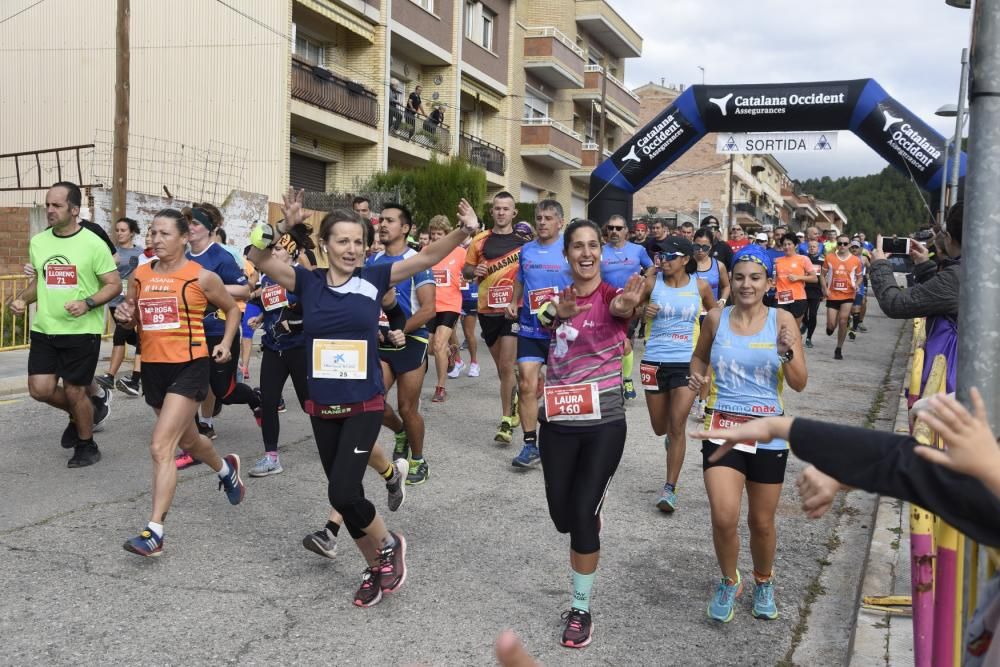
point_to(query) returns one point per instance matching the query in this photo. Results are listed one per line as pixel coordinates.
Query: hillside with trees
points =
(887, 202)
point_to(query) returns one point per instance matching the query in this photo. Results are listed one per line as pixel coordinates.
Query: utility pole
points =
(959, 125)
(119, 165)
(604, 110)
(729, 204)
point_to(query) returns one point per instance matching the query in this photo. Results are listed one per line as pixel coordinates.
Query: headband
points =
(202, 218)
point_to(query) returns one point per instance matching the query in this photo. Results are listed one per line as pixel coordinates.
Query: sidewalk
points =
(14, 369)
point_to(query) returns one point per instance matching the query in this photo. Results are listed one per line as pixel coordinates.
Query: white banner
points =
(774, 142)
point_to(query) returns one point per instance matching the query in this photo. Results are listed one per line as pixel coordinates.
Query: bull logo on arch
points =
(861, 105)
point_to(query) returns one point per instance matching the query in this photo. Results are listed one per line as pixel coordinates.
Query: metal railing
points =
(14, 330)
(600, 70)
(326, 90)
(482, 153)
(419, 129)
(552, 123)
(549, 31)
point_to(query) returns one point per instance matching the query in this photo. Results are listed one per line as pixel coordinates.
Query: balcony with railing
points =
(482, 153)
(324, 89)
(604, 24)
(620, 99)
(553, 57)
(550, 144)
(419, 129)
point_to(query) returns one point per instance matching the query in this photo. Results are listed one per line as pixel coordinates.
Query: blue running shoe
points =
(763, 600)
(724, 600)
(233, 483)
(529, 457)
(145, 543)
(667, 502)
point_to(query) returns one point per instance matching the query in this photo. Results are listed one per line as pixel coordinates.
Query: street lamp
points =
(960, 4)
(958, 112)
(702, 74)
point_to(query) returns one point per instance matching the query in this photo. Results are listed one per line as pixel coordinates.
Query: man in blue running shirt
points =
(542, 273)
(620, 260)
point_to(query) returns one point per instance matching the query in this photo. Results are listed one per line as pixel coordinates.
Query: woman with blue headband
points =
(753, 351)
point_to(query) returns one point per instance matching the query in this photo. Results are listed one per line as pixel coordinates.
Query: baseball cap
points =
(855, 243)
(674, 245)
(801, 235)
(761, 236)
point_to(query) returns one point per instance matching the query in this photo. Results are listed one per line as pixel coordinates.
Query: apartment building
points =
(313, 93)
(701, 182)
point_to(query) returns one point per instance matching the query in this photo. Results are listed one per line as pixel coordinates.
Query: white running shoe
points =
(457, 369)
(473, 370)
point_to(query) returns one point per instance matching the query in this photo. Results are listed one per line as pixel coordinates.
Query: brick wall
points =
(15, 231)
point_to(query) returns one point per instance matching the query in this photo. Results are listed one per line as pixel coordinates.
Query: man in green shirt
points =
(75, 275)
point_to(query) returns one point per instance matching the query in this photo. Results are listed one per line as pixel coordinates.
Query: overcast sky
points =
(911, 47)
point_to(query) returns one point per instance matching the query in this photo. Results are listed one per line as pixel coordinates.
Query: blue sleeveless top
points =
(747, 376)
(711, 276)
(673, 332)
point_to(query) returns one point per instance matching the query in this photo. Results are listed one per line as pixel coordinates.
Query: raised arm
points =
(437, 251)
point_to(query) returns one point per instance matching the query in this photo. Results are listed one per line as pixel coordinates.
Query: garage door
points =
(307, 173)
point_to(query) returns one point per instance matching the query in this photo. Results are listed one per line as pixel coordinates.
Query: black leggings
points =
(343, 446)
(812, 309)
(578, 464)
(222, 377)
(275, 367)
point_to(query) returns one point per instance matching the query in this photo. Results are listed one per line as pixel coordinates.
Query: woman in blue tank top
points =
(753, 351)
(708, 266)
(676, 298)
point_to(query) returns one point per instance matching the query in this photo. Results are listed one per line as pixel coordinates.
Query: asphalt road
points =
(235, 585)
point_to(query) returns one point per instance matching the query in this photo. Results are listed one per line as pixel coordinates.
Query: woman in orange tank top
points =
(166, 300)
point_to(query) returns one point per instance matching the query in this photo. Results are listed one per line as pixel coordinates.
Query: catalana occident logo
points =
(663, 138)
(769, 102)
(914, 144)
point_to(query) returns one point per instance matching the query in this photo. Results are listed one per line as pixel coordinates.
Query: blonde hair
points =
(440, 223)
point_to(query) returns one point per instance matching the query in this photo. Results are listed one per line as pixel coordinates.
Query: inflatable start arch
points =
(861, 105)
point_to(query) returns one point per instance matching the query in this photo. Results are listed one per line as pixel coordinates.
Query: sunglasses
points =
(840, 243)
(612, 228)
(764, 242)
(667, 256)
(703, 248)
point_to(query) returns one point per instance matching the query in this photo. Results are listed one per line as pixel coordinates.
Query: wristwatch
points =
(91, 304)
(787, 356)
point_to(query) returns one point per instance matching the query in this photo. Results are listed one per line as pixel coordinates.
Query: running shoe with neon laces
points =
(395, 485)
(723, 602)
(473, 370)
(401, 450)
(763, 600)
(145, 543)
(266, 465)
(529, 457)
(667, 502)
(457, 370)
(392, 565)
(515, 413)
(370, 592)
(233, 483)
(505, 432)
(629, 389)
(579, 628)
(322, 542)
(107, 380)
(418, 472)
(185, 460)
(439, 395)
(128, 387)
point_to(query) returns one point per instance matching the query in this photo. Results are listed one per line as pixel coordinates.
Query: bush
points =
(433, 189)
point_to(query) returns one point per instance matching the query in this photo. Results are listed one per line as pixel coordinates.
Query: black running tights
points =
(578, 464)
(222, 377)
(812, 310)
(275, 368)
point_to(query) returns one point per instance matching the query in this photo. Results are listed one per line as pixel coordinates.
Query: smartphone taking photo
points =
(891, 246)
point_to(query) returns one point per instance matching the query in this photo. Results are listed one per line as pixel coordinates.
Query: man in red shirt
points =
(737, 238)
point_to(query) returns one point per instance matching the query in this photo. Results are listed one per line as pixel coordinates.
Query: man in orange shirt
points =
(840, 280)
(447, 302)
(792, 272)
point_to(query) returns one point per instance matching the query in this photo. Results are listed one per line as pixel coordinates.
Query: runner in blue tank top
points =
(620, 260)
(676, 298)
(753, 352)
(715, 273)
(542, 273)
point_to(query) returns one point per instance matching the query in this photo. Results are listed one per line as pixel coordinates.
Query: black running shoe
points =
(69, 436)
(837, 354)
(85, 454)
(129, 387)
(579, 628)
(107, 380)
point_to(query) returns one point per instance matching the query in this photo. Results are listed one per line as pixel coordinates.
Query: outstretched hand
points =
(291, 207)
(632, 294)
(756, 430)
(467, 216)
(970, 446)
(567, 307)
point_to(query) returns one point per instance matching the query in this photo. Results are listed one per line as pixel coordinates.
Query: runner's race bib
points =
(647, 376)
(538, 297)
(159, 313)
(383, 319)
(840, 285)
(61, 276)
(572, 402)
(340, 359)
(442, 277)
(500, 296)
(785, 296)
(274, 297)
(726, 421)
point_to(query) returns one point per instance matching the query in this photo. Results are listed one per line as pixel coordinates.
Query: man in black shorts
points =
(75, 274)
(492, 260)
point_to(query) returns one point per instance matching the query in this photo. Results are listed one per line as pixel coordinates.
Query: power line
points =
(21, 12)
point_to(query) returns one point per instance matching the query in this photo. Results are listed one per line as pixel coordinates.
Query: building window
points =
(536, 105)
(426, 4)
(594, 57)
(308, 49)
(480, 23)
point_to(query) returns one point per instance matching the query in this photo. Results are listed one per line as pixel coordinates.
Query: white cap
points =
(761, 236)
(834, 230)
